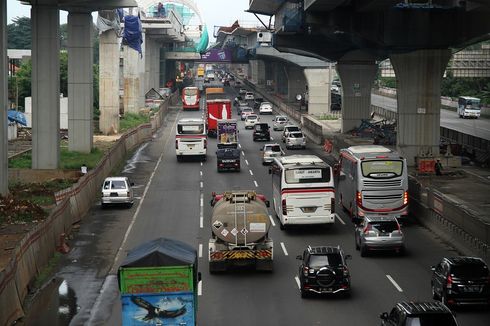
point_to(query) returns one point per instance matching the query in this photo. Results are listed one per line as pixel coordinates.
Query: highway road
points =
(173, 201)
(449, 119)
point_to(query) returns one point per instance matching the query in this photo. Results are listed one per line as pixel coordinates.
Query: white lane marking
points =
(394, 283)
(201, 163)
(201, 218)
(200, 250)
(133, 219)
(256, 184)
(246, 162)
(338, 218)
(251, 173)
(201, 184)
(199, 288)
(272, 220)
(239, 146)
(297, 282)
(243, 153)
(200, 173)
(272, 138)
(284, 249)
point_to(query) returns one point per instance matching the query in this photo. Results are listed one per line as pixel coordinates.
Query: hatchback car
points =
(242, 91)
(461, 281)
(117, 190)
(265, 108)
(295, 139)
(244, 111)
(261, 131)
(323, 270)
(251, 120)
(279, 122)
(418, 313)
(379, 233)
(287, 129)
(249, 96)
(269, 151)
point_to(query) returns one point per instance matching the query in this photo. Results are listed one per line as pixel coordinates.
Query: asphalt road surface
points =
(173, 201)
(449, 119)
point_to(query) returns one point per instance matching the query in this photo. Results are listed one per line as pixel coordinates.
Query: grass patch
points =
(68, 160)
(131, 120)
(47, 271)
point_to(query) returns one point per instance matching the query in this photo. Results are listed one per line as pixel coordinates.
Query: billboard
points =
(216, 55)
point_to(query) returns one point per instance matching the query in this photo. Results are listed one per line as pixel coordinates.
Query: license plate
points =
(308, 209)
(190, 146)
(114, 194)
(471, 288)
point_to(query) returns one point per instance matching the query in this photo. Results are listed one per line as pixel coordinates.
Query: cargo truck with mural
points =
(227, 133)
(218, 106)
(240, 232)
(158, 284)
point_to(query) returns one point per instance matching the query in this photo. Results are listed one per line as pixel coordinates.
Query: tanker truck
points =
(240, 232)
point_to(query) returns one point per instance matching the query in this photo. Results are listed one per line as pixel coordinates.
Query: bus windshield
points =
(382, 168)
(190, 91)
(307, 175)
(188, 129)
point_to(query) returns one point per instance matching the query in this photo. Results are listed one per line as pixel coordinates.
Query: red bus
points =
(190, 98)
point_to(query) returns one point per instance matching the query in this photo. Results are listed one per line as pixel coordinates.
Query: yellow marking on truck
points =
(241, 254)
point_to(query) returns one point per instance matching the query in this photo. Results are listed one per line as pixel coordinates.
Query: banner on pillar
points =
(133, 36)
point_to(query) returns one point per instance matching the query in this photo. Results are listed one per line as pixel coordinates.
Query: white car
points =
(269, 151)
(117, 190)
(265, 108)
(249, 96)
(287, 129)
(295, 139)
(245, 111)
(251, 120)
(279, 122)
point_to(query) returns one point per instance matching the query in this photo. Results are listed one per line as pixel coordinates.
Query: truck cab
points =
(228, 159)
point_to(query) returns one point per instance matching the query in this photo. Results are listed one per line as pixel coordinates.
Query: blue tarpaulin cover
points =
(133, 32)
(16, 116)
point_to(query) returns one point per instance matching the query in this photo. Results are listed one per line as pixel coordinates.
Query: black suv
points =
(419, 313)
(262, 131)
(323, 270)
(461, 280)
(257, 102)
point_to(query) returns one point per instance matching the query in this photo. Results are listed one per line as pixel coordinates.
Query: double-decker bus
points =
(190, 98)
(372, 180)
(303, 190)
(191, 139)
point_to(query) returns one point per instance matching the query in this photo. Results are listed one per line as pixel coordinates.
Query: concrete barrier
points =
(38, 246)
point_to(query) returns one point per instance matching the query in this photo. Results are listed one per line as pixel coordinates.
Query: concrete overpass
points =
(416, 37)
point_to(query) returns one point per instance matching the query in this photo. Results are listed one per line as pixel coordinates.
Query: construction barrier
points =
(38, 246)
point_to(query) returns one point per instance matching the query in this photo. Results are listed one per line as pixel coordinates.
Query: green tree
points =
(19, 33)
(23, 79)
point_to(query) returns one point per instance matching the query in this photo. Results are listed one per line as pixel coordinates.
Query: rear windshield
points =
(250, 93)
(384, 226)
(275, 148)
(431, 320)
(196, 129)
(190, 91)
(251, 117)
(247, 110)
(382, 168)
(261, 127)
(115, 184)
(228, 153)
(296, 135)
(293, 129)
(307, 175)
(469, 271)
(325, 260)
(282, 119)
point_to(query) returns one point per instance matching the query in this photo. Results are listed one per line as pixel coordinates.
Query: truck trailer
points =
(240, 232)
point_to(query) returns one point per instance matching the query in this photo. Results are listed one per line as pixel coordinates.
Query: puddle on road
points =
(55, 304)
(138, 157)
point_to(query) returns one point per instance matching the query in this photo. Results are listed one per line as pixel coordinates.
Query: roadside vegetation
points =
(131, 120)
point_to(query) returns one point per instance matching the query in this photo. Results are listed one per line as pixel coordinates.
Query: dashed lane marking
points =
(200, 173)
(297, 282)
(338, 218)
(246, 162)
(201, 184)
(251, 173)
(284, 249)
(256, 184)
(199, 288)
(200, 250)
(201, 218)
(243, 153)
(394, 283)
(272, 220)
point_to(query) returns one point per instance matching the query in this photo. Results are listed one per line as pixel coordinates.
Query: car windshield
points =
(290, 129)
(296, 135)
(317, 261)
(384, 226)
(470, 271)
(431, 320)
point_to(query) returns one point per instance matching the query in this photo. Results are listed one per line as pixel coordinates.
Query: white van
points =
(191, 138)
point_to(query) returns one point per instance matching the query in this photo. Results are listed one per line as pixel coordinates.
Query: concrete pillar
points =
(109, 82)
(132, 84)
(142, 78)
(80, 82)
(152, 65)
(419, 76)
(296, 82)
(3, 100)
(45, 83)
(318, 81)
(257, 71)
(357, 77)
(163, 68)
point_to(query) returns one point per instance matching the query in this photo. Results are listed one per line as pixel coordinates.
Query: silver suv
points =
(287, 130)
(379, 233)
(269, 151)
(117, 190)
(279, 122)
(295, 139)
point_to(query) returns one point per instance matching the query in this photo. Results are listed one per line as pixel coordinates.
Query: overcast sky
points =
(214, 12)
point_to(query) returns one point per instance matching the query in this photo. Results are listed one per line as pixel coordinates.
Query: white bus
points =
(372, 180)
(469, 107)
(191, 138)
(302, 190)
